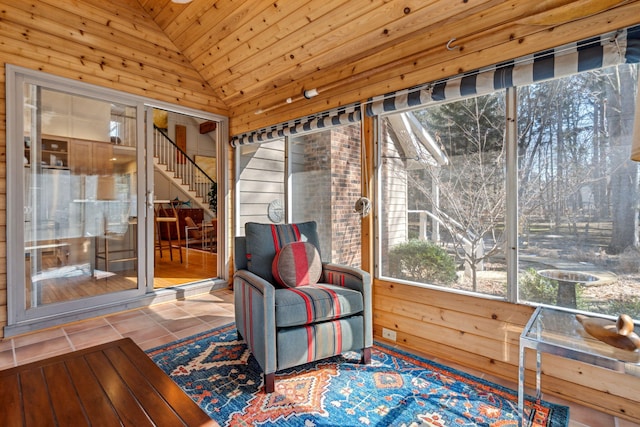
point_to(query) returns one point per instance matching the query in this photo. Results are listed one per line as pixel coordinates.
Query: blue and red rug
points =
(397, 389)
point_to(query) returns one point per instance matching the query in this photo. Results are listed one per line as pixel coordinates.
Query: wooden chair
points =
(168, 217)
(202, 234)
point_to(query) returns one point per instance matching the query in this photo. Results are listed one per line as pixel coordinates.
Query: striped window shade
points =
(327, 119)
(609, 49)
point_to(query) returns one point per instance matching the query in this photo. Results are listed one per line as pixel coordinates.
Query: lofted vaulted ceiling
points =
(259, 56)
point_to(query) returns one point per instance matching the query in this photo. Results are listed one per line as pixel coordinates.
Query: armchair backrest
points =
(263, 241)
(240, 253)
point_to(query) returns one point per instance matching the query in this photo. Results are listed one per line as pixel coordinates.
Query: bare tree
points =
(622, 83)
(471, 205)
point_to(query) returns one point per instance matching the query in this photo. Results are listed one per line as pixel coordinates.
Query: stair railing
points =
(181, 165)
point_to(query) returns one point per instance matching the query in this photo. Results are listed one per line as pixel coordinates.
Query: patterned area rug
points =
(397, 389)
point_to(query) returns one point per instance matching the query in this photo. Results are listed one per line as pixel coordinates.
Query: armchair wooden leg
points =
(269, 382)
(366, 356)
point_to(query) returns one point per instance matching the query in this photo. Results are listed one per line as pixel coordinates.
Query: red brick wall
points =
(332, 168)
(346, 189)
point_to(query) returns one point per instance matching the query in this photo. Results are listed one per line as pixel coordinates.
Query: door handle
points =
(149, 199)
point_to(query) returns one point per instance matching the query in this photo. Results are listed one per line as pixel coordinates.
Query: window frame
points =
(288, 177)
(511, 180)
(512, 188)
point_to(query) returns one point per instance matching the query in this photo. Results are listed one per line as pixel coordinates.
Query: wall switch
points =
(388, 334)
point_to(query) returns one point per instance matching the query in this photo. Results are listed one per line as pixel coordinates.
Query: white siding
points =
(261, 180)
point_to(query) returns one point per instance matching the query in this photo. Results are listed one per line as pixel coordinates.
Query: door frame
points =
(21, 320)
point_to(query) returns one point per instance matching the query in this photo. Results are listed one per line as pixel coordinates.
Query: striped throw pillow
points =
(297, 264)
(263, 241)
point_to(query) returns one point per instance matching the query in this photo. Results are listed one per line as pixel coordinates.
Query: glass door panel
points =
(80, 215)
(325, 173)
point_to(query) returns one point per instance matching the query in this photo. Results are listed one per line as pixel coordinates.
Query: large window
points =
(443, 206)
(578, 195)
(311, 177)
(444, 201)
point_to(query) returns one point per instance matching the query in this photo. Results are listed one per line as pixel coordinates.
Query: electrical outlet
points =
(388, 334)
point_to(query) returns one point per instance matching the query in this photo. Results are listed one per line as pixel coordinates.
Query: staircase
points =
(182, 171)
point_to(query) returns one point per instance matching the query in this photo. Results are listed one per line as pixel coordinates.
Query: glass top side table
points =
(558, 332)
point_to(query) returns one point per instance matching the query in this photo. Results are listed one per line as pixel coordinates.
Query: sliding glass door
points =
(80, 209)
(75, 154)
(86, 177)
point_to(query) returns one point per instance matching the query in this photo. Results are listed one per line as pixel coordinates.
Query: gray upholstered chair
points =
(289, 325)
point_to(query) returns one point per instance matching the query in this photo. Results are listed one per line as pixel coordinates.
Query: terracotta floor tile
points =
(197, 329)
(197, 307)
(226, 295)
(162, 324)
(228, 306)
(146, 334)
(175, 326)
(585, 416)
(219, 321)
(206, 308)
(166, 306)
(43, 349)
(126, 315)
(134, 324)
(157, 342)
(94, 336)
(85, 325)
(168, 313)
(38, 337)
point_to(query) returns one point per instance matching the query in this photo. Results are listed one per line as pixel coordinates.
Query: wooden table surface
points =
(114, 384)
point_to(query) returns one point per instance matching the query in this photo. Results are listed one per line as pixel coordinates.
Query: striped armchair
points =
(289, 326)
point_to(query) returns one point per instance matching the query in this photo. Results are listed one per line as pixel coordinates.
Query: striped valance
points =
(339, 116)
(598, 52)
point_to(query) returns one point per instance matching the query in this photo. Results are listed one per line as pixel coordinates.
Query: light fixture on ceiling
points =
(181, 1)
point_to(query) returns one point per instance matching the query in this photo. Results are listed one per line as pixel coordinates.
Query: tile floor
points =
(163, 323)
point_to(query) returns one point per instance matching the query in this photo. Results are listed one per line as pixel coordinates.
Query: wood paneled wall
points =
(113, 44)
(425, 59)
(484, 334)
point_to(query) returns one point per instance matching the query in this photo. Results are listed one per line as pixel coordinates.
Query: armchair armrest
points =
(343, 275)
(356, 279)
(188, 228)
(254, 301)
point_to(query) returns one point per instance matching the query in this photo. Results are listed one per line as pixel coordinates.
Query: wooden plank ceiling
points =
(257, 54)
